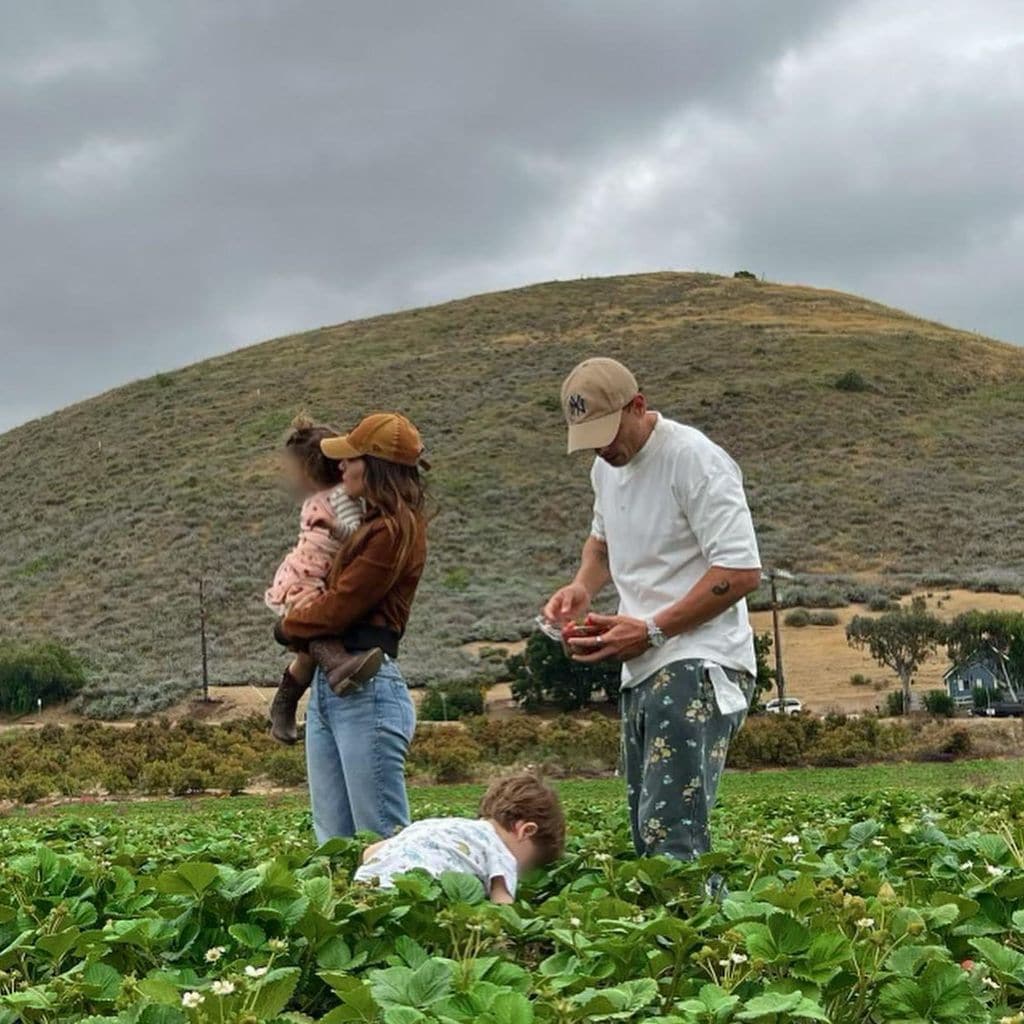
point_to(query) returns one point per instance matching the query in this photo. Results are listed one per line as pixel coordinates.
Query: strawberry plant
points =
(890, 906)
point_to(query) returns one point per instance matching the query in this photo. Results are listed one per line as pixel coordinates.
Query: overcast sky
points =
(179, 179)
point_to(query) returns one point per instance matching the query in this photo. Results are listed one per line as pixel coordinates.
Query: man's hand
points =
(571, 602)
(619, 636)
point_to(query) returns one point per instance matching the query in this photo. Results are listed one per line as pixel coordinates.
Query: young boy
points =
(521, 826)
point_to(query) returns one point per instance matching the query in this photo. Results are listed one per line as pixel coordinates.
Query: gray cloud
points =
(178, 180)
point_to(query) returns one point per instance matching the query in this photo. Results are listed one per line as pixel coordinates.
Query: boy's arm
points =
(499, 891)
(372, 850)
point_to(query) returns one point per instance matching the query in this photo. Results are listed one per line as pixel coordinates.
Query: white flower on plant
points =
(278, 945)
(190, 1000)
(738, 958)
(602, 856)
(214, 954)
(991, 982)
(866, 922)
(723, 963)
(223, 988)
(967, 865)
(575, 922)
(791, 840)
(254, 972)
(994, 871)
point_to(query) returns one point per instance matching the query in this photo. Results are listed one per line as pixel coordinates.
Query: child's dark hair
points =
(303, 444)
(523, 796)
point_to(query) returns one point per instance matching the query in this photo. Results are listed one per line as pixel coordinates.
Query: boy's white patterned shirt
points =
(471, 846)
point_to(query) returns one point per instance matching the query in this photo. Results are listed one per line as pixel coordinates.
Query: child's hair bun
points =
(303, 422)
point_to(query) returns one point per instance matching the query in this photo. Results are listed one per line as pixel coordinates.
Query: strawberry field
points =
(880, 905)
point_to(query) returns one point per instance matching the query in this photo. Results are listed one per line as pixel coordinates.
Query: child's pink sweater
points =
(327, 518)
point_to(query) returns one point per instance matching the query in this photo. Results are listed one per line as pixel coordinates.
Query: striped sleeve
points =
(347, 511)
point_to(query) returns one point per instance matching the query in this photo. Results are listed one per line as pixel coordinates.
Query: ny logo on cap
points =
(577, 406)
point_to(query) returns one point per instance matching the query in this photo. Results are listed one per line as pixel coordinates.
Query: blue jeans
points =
(355, 755)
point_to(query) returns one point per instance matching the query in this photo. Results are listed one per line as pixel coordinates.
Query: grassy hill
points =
(113, 508)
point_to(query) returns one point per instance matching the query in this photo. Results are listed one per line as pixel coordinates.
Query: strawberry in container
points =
(573, 630)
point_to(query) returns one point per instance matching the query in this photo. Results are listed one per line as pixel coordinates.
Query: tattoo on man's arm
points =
(721, 588)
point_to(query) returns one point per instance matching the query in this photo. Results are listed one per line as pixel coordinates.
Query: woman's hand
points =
(618, 636)
(571, 602)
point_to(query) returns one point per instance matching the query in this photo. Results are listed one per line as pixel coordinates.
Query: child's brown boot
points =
(284, 707)
(345, 670)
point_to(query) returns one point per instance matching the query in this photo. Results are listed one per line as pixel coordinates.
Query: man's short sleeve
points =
(597, 522)
(709, 486)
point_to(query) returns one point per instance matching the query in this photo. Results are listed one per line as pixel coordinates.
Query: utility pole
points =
(202, 639)
(772, 576)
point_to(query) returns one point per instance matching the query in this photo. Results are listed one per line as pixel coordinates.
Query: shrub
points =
(958, 744)
(894, 703)
(939, 702)
(852, 380)
(506, 739)
(544, 675)
(881, 603)
(32, 672)
(859, 679)
(285, 767)
(819, 618)
(449, 754)
(452, 701)
(983, 697)
(763, 643)
(745, 275)
(798, 618)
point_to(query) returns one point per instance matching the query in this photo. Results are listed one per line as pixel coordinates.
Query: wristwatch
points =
(655, 637)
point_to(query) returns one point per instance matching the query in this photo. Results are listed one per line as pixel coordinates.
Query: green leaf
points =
(509, 1008)
(158, 1014)
(403, 1015)
(101, 982)
(402, 986)
(410, 952)
(712, 1002)
(275, 990)
(192, 878)
(941, 995)
(781, 938)
(248, 935)
(334, 955)
(1007, 962)
(770, 1003)
(357, 1002)
(57, 944)
(461, 888)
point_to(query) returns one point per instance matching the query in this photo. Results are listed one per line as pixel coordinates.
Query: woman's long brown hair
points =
(398, 495)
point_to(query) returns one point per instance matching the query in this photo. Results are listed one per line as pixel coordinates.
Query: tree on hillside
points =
(977, 630)
(901, 640)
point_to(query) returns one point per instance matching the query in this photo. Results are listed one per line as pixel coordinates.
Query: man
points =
(673, 532)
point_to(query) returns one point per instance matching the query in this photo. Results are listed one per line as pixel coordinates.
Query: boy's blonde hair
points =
(523, 796)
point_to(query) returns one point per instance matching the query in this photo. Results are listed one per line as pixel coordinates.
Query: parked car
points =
(1005, 709)
(792, 706)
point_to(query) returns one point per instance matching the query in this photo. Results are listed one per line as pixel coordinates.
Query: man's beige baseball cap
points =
(593, 397)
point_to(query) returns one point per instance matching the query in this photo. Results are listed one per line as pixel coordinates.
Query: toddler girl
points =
(329, 517)
(521, 826)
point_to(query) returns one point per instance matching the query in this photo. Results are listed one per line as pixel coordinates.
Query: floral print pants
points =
(674, 741)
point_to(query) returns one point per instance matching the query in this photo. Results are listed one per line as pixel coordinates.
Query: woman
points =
(357, 736)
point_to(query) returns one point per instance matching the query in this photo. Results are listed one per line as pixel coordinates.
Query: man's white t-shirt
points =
(673, 511)
(468, 845)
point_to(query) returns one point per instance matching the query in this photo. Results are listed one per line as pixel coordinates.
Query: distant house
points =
(985, 668)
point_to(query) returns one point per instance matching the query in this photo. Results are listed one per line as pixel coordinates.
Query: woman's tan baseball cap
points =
(593, 397)
(384, 435)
